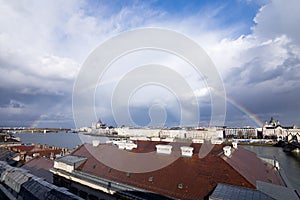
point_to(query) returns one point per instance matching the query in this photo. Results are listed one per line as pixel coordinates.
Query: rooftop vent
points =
(200, 141)
(186, 151)
(95, 143)
(156, 139)
(168, 140)
(234, 145)
(150, 179)
(180, 186)
(127, 145)
(164, 149)
(122, 145)
(227, 151)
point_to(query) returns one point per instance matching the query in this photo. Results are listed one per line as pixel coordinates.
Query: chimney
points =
(234, 145)
(164, 149)
(186, 151)
(95, 143)
(227, 151)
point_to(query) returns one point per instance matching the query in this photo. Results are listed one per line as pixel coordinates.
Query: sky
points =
(254, 45)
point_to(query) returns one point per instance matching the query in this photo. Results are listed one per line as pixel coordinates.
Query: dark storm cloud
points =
(41, 52)
(271, 92)
(14, 106)
(253, 73)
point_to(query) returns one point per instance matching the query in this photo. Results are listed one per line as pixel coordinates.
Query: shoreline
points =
(259, 144)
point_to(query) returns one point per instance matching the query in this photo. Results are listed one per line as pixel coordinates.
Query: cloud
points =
(278, 18)
(43, 45)
(16, 104)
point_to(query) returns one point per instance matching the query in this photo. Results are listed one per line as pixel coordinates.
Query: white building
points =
(207, 134)
(274, 130)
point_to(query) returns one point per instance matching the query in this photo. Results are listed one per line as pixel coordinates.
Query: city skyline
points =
(253, 44)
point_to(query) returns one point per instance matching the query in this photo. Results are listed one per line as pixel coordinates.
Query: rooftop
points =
(17, 183)
(253, 168)
(184, 178)
(40, 167)
(229, 192)
(70, 159)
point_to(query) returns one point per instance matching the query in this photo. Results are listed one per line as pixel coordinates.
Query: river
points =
(60, 139)
(290, 162)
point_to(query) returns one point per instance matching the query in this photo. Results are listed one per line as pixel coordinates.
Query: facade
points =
(241, 132)
(293, 134)
(189, 176)
(275, 130)
(206, 134)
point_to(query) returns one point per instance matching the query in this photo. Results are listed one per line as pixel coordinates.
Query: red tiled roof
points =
(31, 149)
(198, 176)
(44, 152)
(21, 148)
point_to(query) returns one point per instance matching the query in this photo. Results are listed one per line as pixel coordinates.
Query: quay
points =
(34, 130)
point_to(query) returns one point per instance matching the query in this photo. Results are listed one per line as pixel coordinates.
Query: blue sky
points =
(253, 44)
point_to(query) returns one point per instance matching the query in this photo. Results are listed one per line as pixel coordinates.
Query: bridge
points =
(34, 130)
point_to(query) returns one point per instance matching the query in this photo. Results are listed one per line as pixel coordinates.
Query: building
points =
(274, 130)
(241, 132)
(27, 152)
(17, 183)
(8, 156)
(179, 133)
(40, 167)
(293, 134)
(186, 177)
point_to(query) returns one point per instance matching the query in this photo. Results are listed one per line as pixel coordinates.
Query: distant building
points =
(100, 125)
(240, 132)
(293, 134)
(188, 177)
(27, 152)
(274, 130)
(205, 133)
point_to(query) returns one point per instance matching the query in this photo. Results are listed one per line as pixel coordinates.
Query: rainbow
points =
(244, 110)
(35, 123)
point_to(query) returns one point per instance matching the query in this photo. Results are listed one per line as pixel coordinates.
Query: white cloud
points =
(43, 44)
(278, 18)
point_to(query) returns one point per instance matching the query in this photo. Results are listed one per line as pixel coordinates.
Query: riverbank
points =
(258, 144)
(34, 130)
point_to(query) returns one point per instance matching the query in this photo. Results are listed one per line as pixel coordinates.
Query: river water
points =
(60, 139)
(290, 162)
